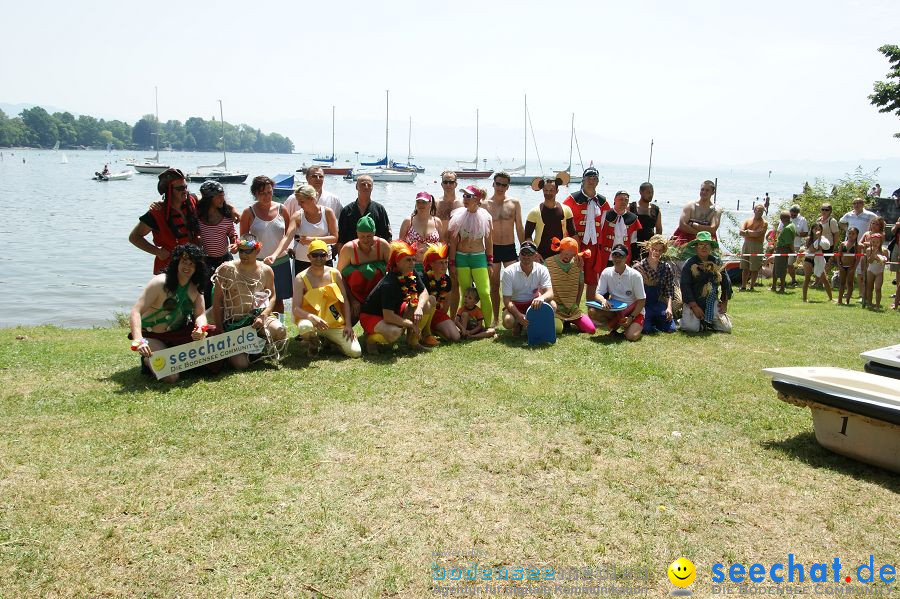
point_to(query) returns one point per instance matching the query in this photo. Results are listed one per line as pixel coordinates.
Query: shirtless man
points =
(170, 309)
(447, 204)
(753, 230)
(362, 263)
(245, 296)
(506, 214)
(701, 215)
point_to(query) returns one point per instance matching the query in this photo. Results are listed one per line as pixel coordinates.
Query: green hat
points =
(365, 225)
(704, 237)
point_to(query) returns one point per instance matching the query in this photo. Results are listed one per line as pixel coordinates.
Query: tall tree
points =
(42, 125)
(887, 93)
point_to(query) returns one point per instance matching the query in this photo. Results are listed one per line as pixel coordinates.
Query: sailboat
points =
(574, 178)
(409, 166)
(518, 175)
(152, 166)
(328, 167)
(218, 172)
(383, 172)
(472, 172)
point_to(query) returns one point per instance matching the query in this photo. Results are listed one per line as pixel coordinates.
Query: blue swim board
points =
(541, 325)
(614, 305)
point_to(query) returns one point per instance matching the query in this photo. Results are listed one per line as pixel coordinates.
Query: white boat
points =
(884, 361)
(463, 170)
(519, 175)
(218, 172)
(120, 176)
(382, 173)
(856, 414)
(152, 165)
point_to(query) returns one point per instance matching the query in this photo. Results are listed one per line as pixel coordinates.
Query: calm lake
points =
(68, 261)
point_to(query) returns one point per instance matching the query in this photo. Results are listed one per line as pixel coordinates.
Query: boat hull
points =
(855, 414)
(150, 169)
(884, 361)
(385, 176)
(229, 178)
(123, 176)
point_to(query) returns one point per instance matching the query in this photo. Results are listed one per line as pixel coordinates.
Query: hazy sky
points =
(711, 82)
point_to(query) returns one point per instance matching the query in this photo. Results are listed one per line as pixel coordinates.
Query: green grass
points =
(341, 477)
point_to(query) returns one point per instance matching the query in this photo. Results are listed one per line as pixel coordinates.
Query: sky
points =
(711, 83)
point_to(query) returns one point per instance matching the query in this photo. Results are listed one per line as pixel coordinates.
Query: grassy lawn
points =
(341, 477)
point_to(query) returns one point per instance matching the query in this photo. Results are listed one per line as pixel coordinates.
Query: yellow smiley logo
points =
(682, 572)
(158, 363)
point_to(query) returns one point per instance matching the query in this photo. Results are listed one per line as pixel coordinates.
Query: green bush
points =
(840, 195)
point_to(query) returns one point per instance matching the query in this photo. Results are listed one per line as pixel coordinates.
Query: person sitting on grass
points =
(706, 307)
(439, 284)
(319, 305)
(245, 296)
(470, 319)
(622, 284)
(659, 285)
(567, 279)
(813, 264)
(784, 244)
(170, 310)
(362, 262)
(398, 303)
(525, 284)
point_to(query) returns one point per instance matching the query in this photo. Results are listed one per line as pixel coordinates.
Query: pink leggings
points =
(584, 325)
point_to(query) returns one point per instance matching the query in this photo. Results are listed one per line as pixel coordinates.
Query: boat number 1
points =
(844, 425)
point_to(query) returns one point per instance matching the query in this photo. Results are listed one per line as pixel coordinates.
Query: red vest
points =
(166, 238)
(608, 233)
(579, 212)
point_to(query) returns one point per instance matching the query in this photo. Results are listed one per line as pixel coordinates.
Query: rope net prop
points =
(244, 297)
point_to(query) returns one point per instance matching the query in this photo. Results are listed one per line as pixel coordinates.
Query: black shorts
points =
(505, 253)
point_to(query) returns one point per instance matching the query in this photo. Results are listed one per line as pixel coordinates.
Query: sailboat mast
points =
(409, 147)
(476, 139)
(332, 134)
(156, 144)
(387, 113)
(224, 155)
(525, 132)
(571, 139)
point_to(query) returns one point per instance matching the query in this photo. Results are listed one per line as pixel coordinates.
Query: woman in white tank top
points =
(309, 223)
(266, 220)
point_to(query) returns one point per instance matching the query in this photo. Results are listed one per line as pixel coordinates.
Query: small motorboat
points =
(120, 176)
(284, 185)
(884, 361)
(219, 175)
(856, 414)
(384, 175)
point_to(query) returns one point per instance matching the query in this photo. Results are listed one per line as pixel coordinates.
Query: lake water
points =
(68, 261)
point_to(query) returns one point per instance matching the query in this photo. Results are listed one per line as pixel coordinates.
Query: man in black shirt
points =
(352, 212)
(398, 302)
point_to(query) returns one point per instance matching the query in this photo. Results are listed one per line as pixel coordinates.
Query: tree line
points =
(37, 128)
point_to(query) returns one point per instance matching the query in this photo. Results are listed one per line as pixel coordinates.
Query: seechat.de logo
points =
(793, 571)
(682, 573)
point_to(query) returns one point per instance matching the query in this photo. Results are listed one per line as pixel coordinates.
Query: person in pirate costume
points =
(245, 296)
(362, 262)
(705, 289)
(567, 276)
(619, 226)
(398, 303)
(170, 310)
(439, 285)
(319, 305)
(550, 218)
(587, 208)
(172, 220)
(659, 285)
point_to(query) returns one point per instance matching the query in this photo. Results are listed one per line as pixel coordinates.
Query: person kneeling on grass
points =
(567, 279)
(624, 285)
(701, 280)
(525, 284)
(439, 284)
(319, 305)
(659, 285)
(398, 302)
(245, 296)
(170, 310)
(470, 319)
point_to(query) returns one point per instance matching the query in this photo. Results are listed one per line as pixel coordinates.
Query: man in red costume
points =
(619, 227)
(587, 208)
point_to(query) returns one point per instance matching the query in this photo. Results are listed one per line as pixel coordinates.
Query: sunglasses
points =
(448, 182)
(826, 209)
(315, 176)
(246, 250)
(318, 255)
(467, 196)
(498, 184)
(179, 187)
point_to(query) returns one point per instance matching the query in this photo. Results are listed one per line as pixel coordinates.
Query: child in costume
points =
(470, 318)
(567, 276)
(814, 265)
(437, 281)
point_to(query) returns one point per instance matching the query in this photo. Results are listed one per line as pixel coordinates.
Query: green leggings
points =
(474, 267)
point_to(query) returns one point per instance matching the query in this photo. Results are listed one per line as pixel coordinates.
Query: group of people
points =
(852, 244)
(454, 273)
